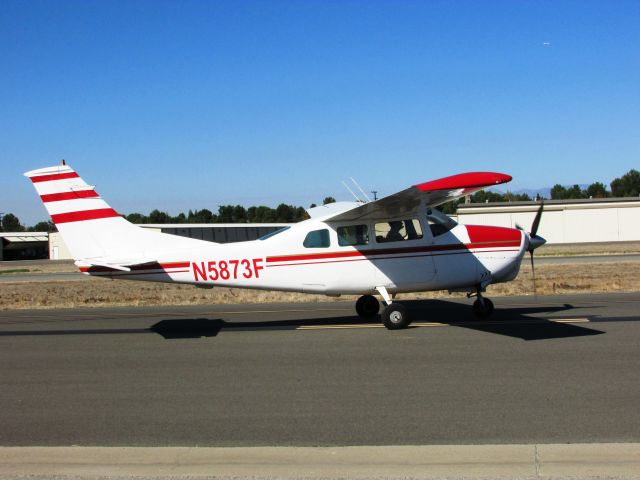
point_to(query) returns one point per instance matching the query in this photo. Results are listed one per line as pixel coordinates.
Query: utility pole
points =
(375, 195)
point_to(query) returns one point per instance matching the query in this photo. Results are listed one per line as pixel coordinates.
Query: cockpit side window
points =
(398, 230)
(353, 235)
(439, 222)
(317, 239)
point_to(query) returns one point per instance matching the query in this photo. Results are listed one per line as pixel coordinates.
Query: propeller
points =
(535, 240)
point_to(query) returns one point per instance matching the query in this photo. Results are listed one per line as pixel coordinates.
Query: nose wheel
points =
(482, 307)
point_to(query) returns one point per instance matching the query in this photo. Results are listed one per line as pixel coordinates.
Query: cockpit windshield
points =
(439, 222)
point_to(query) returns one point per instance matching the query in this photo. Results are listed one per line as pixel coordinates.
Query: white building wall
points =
(565, 223)
(628, 224)
(57, 248)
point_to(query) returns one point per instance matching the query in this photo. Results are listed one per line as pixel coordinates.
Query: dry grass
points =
(40, 267)
(609, 248)
(96, 292)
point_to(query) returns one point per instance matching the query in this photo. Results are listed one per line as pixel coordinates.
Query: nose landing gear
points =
(482, 307)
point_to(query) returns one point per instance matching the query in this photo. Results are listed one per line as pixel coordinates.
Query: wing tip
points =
(466, 180)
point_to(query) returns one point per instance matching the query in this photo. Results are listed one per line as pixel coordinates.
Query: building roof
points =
(15, 237)
(569, 204)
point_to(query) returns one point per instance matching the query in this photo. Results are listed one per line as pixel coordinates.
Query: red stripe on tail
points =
(84, 215)
(54, 176)
(56, 197)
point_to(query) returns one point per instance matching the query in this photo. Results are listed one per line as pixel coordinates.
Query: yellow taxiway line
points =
(439, 324)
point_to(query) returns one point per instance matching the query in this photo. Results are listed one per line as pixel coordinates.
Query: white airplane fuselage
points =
(459, 259)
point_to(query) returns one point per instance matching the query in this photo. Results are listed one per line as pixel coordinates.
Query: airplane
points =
(396, 244)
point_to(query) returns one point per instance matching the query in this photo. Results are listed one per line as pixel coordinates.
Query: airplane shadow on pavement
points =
(512, 322)
(516, 322)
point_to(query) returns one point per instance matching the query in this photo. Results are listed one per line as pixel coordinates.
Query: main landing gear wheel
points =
(395, 317)
(483, 307)
(367, 306)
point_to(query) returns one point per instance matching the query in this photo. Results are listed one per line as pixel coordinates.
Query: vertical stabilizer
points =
(89, 226)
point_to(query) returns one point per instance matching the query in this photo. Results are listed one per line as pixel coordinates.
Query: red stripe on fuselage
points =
(83, 215)
(394, 251)
(56, 197)
(175, 265)
(54, 176)
(397, 257)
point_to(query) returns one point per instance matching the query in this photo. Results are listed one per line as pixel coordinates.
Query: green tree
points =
(239, 214)
(300, 215)
(597, 190)
(11, 223)
(201, 216)
(626, 186)
(261, 214)
(558, 192)
(231, 214)
(156, 216)
(44, 226)
(576, 192)
(516, 197)
(137, 218)
(285, 213)
(484, 196)
(180, 218)
(328, 200)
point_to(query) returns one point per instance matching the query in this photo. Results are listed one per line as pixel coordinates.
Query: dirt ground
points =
(96, 292)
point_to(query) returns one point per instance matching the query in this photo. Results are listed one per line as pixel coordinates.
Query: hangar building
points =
(563, 221)
(23, 245)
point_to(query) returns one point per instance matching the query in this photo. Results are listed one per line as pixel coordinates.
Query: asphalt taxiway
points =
(551, 369)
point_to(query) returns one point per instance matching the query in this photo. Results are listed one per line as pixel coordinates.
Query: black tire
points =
(483, 311)
(367, 306)
(395, 317)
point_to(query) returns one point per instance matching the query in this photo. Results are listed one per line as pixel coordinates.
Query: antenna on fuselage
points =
(351, 192)
(361, 190)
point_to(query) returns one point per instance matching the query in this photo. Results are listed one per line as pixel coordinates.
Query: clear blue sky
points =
(193, 104)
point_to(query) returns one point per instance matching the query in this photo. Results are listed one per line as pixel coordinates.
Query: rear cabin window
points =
(317, 239)
(353, 235)
(398, 230)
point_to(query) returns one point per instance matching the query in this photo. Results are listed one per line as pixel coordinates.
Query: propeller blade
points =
(536, 220)
(533, 273)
